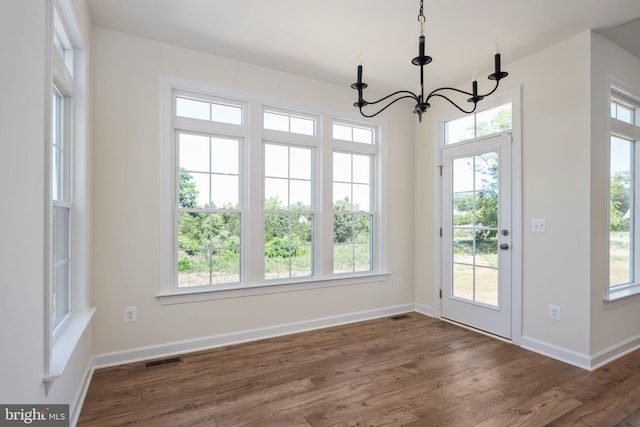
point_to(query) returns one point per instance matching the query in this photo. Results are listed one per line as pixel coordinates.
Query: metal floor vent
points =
(161, 362)
(399, 316)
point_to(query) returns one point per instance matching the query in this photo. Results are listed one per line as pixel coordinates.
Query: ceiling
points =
(325, 39)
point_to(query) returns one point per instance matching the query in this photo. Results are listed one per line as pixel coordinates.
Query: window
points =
(60, 208)
(354, 195)
(257, 195)
(66, 312)
(481, 123)
(623, 212)
(60, 174)
(203, 109)
(288, 214)
(208, 210)
(284, 122)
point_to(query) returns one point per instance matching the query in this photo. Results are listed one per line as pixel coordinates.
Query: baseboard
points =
(559, 353)
(79, 401)
(612, 353)
(198, 344)
(424, 309)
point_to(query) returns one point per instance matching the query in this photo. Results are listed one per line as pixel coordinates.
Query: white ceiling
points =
(324, 39)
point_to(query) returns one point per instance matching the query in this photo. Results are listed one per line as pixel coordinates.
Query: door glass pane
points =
(620, 212)
(486, 285)
(475, 228)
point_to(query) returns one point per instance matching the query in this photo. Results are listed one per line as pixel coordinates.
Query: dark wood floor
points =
(411, 371)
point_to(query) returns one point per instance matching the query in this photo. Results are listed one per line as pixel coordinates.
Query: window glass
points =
(289, 123)
(353, 218)
(209, 171)
(61, 262)
(57, 146)
(481, 123)
(351, 133)
(621, 212)
(288, 221)
(208, 210)
(622, 112)
(205, 110)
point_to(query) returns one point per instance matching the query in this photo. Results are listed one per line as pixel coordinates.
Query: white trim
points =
(559, 353)
(82, 394)
(621, 295)
(516, 214)
(614, 352)
(213, 341)
(235, 291)
(424, 309)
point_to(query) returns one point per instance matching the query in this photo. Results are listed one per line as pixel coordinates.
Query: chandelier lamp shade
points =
(422, 102)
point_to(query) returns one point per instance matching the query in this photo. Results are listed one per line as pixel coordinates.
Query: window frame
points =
(497, 103)
(67, 75)
(355, 148)
(253, 281)
(626, 292)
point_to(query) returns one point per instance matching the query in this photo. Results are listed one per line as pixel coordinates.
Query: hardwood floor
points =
(409, 371)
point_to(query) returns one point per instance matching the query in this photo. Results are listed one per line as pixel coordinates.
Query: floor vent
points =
(399, 316)
(161, 362)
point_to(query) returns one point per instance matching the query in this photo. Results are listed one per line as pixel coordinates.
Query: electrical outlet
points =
(553, 312)
(539, 225)
(399, 282)
(130, 314)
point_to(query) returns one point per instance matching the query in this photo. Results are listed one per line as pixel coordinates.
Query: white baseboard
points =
(559, 353)
(424, 309)
(82, 393)
(198, 344)
(612, 353)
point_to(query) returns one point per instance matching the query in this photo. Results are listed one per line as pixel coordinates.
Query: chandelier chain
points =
(421, 17)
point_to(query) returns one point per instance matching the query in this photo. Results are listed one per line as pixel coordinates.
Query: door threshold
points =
(480, 331)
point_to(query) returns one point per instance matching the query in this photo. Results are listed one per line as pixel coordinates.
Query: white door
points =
(476, 234)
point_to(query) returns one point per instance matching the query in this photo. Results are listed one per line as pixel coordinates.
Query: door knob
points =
(504, 246)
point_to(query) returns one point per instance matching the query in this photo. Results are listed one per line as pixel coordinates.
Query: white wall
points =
(555, 174)
(126, 131)
(23, 141)
(609, 327)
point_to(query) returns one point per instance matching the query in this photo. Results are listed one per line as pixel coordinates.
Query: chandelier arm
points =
(434, 92)
(494, 89)
(411, 95)
(454, 104)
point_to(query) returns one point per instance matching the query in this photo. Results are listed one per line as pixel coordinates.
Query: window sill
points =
(65, 343)
(623, 295)
(187, 295)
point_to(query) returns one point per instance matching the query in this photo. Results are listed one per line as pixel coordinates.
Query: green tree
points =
(620, 201)
(499, 122)
(188, 190)
(348, 226)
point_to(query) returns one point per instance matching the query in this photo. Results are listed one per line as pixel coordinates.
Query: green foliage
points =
(349, 227)
(209, 240)
(283, 247)
(500, 122)
(620, 201)
(188, 190)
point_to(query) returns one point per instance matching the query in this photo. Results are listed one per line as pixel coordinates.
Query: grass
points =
(619, 258)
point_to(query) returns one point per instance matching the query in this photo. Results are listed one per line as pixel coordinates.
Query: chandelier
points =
(422, 102)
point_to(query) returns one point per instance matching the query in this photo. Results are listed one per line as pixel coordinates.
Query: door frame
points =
(513, 95)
